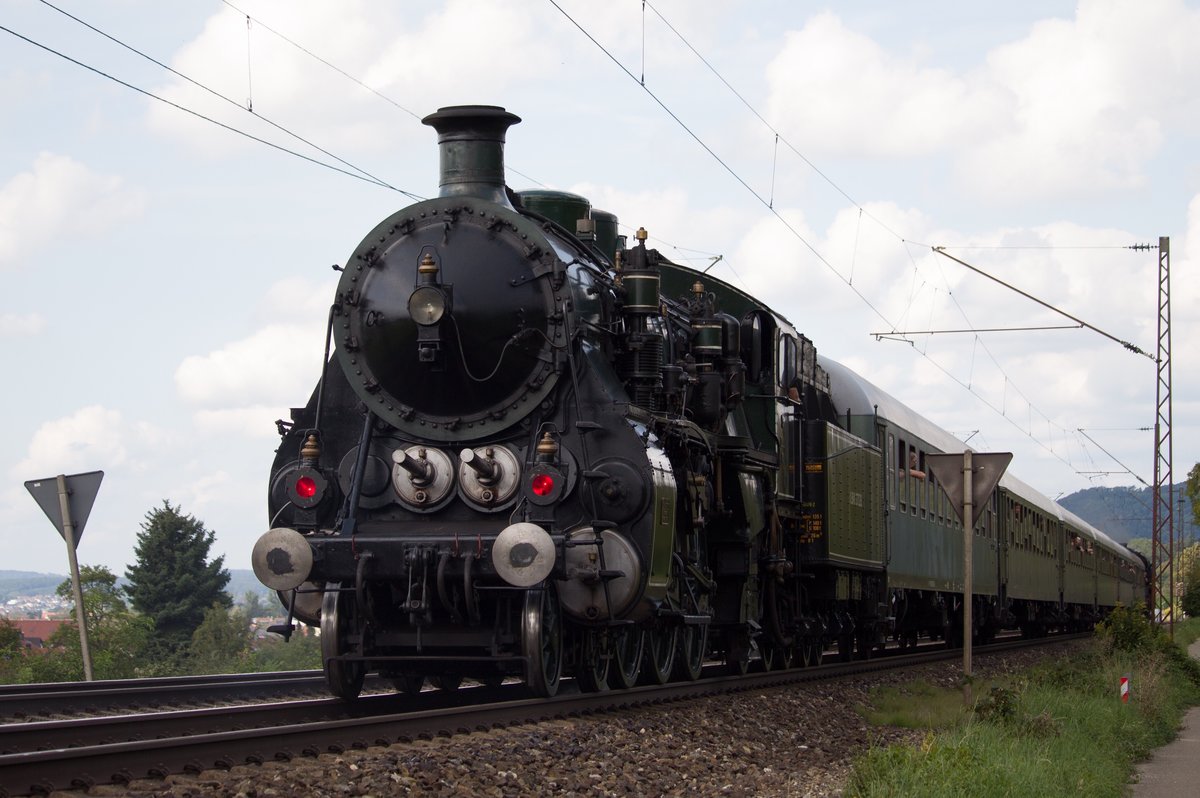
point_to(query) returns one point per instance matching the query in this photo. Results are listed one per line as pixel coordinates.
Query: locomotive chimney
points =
(471, 144)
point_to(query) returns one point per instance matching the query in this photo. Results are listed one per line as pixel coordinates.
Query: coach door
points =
(1004, 535)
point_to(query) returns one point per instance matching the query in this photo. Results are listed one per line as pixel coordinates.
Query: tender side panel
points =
(843, 517)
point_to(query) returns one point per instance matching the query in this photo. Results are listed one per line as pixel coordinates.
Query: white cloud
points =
(13, 325)
(274, 364)
(842, 93)
(203, 492)
(57, 194)
(1075, 106)
(91, 437)
(248, 383)
(424, 57)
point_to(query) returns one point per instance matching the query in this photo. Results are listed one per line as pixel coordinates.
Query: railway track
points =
(42, 756)
(33, 701)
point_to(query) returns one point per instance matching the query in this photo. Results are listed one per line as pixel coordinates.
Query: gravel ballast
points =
(794, 741)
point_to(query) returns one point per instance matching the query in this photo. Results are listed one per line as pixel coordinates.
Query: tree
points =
(302, 652)
(1191, 594)
(1189, 580)
(173, 583)
(221, 644)
(101, 597)
(253, 605)
(11, 652)
(1193, 493)
(117, 639)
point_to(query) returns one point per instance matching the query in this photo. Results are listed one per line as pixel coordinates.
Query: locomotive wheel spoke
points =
(339, 621)
(541, 641)
(768, 657)
(594, 664)
(627, 646)
(693, 641)
(660, 654)
(816, 652)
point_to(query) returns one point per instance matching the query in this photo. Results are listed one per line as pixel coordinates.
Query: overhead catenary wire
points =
(1114, 457)
(732, 173)
(768, 204)
(1131, 347)
(249, 69)
(249, 107)
(845, 194)
(197, 114)
(334, 67)
(357, 81)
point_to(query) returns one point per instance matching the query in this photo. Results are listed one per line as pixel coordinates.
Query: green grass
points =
(1058, 729)
(915, 706)
(1187, 631)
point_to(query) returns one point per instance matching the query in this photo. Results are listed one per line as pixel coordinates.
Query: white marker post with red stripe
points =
(1125, 689)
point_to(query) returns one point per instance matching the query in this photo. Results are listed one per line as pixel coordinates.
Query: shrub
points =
(1126, 629)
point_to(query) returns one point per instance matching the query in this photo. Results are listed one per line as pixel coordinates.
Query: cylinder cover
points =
(582, 593)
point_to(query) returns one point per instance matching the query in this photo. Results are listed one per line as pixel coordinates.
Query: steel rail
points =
(41, 772)
(38, 700)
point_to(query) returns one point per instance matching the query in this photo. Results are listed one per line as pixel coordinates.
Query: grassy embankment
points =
(1057, 729)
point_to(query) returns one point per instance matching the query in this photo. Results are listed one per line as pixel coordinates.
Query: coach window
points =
(916, 484)
(902, 470)
(916, 464)
(935, 500)
(891, 477)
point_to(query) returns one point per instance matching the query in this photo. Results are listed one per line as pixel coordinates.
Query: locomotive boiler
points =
(541, 450)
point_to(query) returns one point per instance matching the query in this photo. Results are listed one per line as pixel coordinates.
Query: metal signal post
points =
(66, 501)
(64, 505)
(968, 479)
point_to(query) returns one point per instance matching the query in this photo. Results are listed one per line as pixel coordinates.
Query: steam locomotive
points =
(541, 451)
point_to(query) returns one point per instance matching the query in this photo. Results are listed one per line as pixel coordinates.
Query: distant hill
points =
(28, 583)
(242, 580)
(1127, 513)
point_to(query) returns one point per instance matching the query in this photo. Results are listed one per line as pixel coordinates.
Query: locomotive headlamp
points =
(542, 485)
(307, 487)
(427, 305)
(545, 484)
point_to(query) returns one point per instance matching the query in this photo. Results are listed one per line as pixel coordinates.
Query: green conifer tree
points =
(173, 583)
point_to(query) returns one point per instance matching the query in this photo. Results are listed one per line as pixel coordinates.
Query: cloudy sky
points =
(166, 279)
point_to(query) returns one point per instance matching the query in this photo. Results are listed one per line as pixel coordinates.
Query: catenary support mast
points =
(1163, 544)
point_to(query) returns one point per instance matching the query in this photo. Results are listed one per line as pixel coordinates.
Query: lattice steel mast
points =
(1163, 545)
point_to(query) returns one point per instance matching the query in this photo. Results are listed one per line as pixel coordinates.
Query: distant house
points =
(35, 633)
